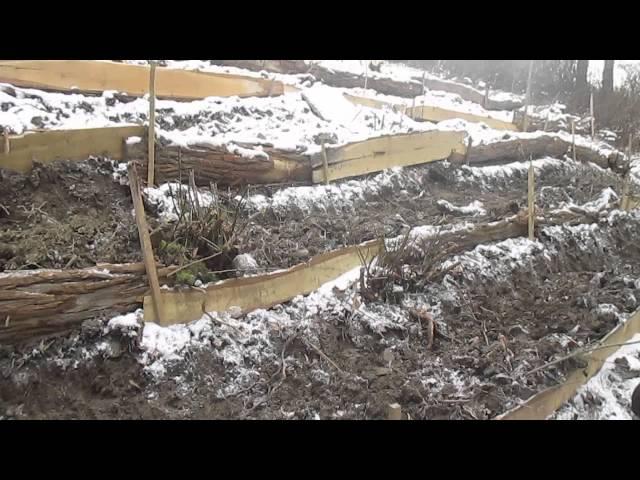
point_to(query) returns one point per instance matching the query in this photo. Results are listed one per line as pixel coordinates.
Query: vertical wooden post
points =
(485, 100)
(546, 122)
(530, 201)
(573, 138)
(145, 243)
(593, 118)
(527, 101)
(413, 107)
(325, 162)
(151, 165)
(7, 144)
(366, 73)
(624, 203)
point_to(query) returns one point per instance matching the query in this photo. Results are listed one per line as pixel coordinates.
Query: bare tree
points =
(581, 91)
(607, 78)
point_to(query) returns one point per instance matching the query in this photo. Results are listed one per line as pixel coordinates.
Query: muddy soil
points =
(492, 330)
(410, 199)
(65, 215)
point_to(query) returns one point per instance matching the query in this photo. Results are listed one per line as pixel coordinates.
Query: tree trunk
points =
(607, 78)
(581, 90)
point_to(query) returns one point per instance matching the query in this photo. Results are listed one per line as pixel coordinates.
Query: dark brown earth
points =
(65, 215)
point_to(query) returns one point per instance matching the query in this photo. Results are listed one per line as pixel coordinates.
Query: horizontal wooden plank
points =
(261, 291)
(432, 113)
(97, 76)
(78, 144)
(547, 402)
(435, 114)
(377, 154)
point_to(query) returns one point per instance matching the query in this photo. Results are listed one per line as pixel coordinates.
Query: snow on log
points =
(217, 165)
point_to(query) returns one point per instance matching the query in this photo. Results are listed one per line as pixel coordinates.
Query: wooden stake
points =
(7, 144)
(530, 201)
(366, 73)
(573, 138)
(151, 166)
(625, 202)
(485, 100)
(413, 107)
(527, 101)
(593, 118)
(145, 243)
(546, 122)
(325, 164)
(394, 412)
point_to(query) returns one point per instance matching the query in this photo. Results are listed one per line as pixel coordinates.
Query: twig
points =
(323, 355)
(282, 358)
(579, 352)
(218, 320)
(193, 263)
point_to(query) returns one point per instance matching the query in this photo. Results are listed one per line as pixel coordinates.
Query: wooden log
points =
(77, 144)
(277, 66)
(97, 76)
(540, 146)
(46, 302)
(456, 241)
(217, 165)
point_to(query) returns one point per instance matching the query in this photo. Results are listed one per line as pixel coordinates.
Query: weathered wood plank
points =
(97, 76)
(261, 291)
(377, 154)
(432, 113)
(77, 144)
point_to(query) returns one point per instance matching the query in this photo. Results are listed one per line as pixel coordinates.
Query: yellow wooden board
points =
(437, 114)
(377, 154)
(372, 103)
(261, 291)
(547, 402)
(78, 144)
(97, 76)
(432, 113)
